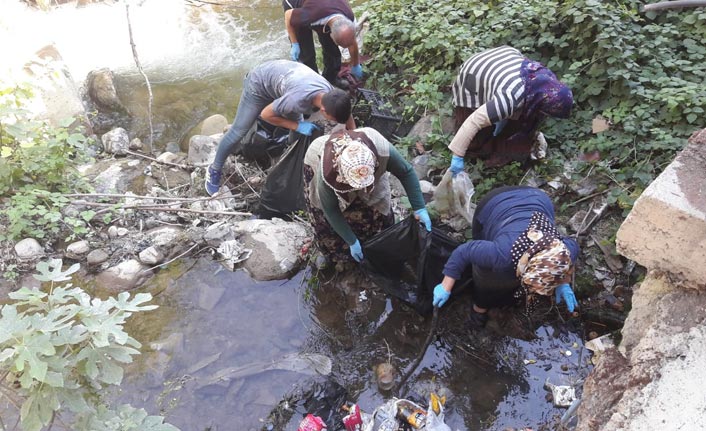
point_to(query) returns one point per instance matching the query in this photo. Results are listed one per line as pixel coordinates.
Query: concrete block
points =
(666, 229)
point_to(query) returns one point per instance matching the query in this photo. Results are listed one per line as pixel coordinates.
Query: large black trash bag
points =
(264, 142)
(407, 262)
(283, 192)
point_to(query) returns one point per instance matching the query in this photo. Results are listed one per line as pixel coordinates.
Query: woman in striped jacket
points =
(498, 85)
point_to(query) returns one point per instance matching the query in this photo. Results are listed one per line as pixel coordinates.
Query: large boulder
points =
(666, 229)
(276, 247)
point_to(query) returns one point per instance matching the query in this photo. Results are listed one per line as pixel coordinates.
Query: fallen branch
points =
(160, 208)
(139, 67)
(144, 156)
(119, 196)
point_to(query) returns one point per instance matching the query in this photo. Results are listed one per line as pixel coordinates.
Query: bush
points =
(642, 72)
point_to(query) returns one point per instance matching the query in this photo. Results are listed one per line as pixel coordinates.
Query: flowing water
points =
(211, 320)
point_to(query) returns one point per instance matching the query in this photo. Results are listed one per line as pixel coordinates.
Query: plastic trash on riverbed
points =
(312, 423)
(389, 416)
(563, 396)
(357, 420)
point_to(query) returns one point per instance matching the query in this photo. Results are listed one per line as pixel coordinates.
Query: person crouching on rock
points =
(516, 252)
(348, 194)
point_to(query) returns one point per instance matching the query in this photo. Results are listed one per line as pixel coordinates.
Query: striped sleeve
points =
(491, 77)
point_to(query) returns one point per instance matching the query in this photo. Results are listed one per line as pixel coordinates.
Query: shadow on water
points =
(212, 321)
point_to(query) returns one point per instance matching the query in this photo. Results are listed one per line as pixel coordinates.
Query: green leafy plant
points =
(59, 349)
(643, 72)
(37, 162)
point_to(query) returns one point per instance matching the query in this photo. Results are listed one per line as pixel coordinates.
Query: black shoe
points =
(477, 320)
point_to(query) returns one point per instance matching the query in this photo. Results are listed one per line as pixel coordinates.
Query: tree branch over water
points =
(139, 67)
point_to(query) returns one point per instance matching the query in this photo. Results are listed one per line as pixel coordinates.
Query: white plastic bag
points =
(435, 421)
(452, 199)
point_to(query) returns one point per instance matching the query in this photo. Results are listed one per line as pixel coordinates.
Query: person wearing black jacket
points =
(333, 22)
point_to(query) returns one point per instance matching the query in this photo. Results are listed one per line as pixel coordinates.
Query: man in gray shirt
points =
(281, 92)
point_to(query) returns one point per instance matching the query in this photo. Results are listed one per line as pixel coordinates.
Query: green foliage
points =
(37, 162)
(644, 72)
(63, 347)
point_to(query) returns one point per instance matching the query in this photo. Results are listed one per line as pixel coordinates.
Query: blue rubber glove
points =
(294, 52)
(306, 128)
(441, 295)
(357, 71)
(456, 165)
(499, 126)
(357, 251)
(423, 217)
(564, 292)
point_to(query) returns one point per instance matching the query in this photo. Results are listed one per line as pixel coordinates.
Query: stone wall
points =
(654, 380)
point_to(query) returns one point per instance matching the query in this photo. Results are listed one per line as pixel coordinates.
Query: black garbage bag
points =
(407, 262)
(264, 142)
(283, 192)
(322, 398)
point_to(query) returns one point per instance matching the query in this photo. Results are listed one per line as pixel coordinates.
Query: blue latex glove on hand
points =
(357, 251)
(423, 217)
(306, 128)
(294, 52)
(456, 165)
(441, 295)
(357, 71)
(499, 126)
(564, 292)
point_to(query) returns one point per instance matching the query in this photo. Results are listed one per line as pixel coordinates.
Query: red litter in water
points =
(312, 423)
(353, 421)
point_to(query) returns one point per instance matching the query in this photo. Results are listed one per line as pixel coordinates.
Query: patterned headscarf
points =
(541, 258)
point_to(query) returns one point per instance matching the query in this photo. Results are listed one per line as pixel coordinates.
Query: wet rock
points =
(172, 147)
(116, 176)
(212, 125)
(77, 250)
(124, 276)
(151, 256)
(28, 250)
(202, 150)
(275, 246)
(101, 90)
(209, 297)
(116, 141)
(96, 257)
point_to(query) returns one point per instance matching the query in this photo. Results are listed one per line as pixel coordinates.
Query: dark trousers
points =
(331, 53)
(492, 289)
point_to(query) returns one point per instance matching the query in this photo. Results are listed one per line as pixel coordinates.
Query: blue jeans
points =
(249, 108)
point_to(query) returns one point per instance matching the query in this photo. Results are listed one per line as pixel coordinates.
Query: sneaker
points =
(213, 180)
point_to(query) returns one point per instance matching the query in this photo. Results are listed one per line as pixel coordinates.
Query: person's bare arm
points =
(269, 115)
(353, 50)
(291, 31)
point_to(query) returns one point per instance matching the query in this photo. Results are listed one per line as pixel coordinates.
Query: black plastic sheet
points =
(407, 262)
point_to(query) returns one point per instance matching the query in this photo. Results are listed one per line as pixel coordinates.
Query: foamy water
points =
(174, 40)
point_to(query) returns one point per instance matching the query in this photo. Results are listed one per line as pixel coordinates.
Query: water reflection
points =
(218, 320)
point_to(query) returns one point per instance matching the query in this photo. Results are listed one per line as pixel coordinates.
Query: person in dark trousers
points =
(500, 85)
(516, 252)
(281, 92)
(348, 194)
(333, 22)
